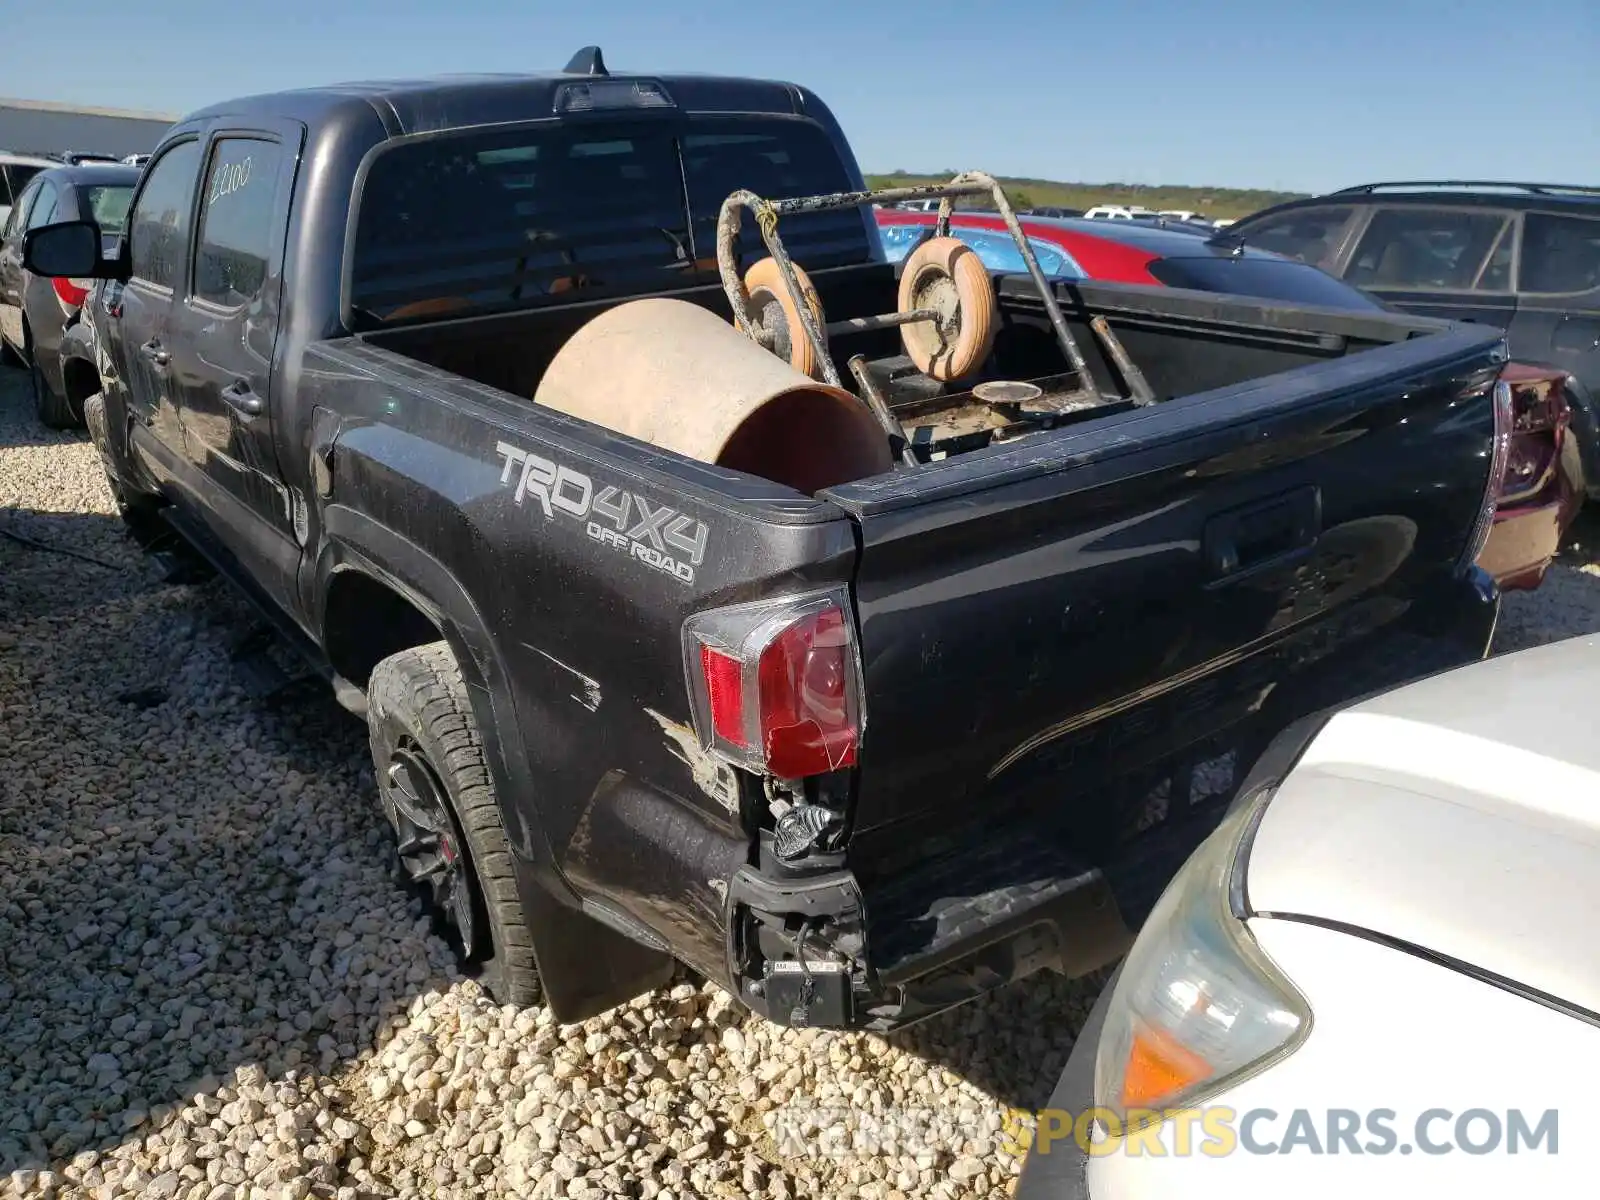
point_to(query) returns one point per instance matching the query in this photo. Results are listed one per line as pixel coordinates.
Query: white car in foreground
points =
(1379, 977)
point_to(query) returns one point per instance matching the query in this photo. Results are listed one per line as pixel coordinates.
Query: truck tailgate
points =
(1023, 609)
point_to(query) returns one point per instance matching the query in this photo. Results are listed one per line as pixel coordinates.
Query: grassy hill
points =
(1026, 193)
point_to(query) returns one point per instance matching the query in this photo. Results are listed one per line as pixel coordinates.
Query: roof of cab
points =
(407, 106)
(95, 174)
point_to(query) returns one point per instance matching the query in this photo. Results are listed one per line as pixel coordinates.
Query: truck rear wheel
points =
(439, 797)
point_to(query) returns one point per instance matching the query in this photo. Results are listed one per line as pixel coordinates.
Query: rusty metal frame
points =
(768, 212)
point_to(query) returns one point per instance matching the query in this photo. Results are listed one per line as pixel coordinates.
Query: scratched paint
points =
(711, 775)
(588, 693)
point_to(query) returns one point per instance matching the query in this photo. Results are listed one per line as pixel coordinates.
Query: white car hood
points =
(1460, 814)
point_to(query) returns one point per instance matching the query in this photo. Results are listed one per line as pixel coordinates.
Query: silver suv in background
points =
(16, 170)
(35, 312)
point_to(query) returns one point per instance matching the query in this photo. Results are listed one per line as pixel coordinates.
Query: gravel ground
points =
(214, 989)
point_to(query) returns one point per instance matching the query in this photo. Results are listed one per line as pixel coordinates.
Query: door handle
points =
(239, 397)
(153, 351)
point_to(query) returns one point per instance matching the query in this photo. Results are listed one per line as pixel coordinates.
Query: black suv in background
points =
(1524, 256)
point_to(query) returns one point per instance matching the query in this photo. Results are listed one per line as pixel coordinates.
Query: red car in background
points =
(1539, 493)
(1161, 255)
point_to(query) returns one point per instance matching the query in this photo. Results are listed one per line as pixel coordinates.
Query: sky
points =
(1300, 95)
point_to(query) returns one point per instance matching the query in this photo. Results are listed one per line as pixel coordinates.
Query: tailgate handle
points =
(1266, 534)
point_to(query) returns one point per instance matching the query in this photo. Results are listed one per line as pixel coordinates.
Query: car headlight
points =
(1198, 1004)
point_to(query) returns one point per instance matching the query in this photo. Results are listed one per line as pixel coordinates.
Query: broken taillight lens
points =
(1540, 414)
(1498, 452)
(776, 685)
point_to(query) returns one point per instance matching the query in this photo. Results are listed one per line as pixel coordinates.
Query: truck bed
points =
(1184, 342)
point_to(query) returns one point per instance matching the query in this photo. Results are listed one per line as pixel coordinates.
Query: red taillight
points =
(776, 685)
(806, 727)
(72, 292)
(724, 680)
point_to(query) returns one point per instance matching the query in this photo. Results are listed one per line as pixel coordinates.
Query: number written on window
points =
(229, 177)
(237, 221)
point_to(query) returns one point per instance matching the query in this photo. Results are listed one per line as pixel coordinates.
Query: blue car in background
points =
(994, 247)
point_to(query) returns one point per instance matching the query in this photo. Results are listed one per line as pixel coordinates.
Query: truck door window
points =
(475, 220)
(775, 159)
(237, 213)
(1425, 248)
(158, 230)
(1560, 254)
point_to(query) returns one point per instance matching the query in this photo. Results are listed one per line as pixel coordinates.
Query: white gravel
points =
(214, 989)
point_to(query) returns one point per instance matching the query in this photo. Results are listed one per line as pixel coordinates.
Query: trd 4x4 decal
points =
(655, 534)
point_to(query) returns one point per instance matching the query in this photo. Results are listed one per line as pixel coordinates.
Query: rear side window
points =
(1496, 273)
(18, 220)
(492, 219)
(1428, 248)
(44, 206)
(1310, 234)
(13, 179)
(777, 160)
(108, 207)
(1261, 278)
(237, 219)
(1560, 254)
(158, 229)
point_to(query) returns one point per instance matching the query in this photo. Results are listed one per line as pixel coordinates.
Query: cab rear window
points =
(490, 219)
(777, 160)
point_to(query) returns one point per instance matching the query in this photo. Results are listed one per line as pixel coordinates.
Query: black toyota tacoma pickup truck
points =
(858, 755)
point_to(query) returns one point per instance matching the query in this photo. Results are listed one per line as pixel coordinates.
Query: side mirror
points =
(70, 250)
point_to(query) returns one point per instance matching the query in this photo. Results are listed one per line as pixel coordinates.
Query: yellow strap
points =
(767, 219)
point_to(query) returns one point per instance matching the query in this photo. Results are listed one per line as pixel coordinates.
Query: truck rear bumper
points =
(1025, 896)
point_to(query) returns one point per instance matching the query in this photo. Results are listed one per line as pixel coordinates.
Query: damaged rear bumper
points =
(1020, 896)
(964, 927)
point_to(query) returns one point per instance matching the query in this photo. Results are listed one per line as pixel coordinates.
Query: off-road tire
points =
(418, 700)
(54, 411)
